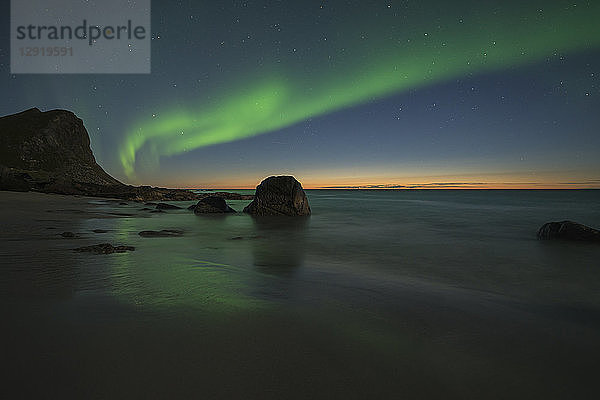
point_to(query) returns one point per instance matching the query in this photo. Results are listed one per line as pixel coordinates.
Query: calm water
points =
(417, 294)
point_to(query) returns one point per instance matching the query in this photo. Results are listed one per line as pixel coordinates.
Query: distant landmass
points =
(50, 152)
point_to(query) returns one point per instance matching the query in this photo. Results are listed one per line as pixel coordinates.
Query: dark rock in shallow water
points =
(568, 230)
(104, 248)
(99, 231)
(156, 211)
(279, 195)
(162, 233)
(247, 237)
(165, 206)
(67, 234)
(212, 205)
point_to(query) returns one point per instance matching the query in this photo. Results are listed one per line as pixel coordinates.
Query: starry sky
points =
(406, 94)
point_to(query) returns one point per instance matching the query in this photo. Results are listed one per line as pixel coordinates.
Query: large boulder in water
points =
(279, 195)
(212, 205)
(568, 230)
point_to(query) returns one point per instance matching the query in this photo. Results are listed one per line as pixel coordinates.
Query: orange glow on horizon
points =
(316, 180)
(424, 186)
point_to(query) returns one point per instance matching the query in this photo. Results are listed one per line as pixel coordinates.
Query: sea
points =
(414, 294)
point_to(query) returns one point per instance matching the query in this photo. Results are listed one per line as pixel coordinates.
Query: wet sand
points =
(254, 318)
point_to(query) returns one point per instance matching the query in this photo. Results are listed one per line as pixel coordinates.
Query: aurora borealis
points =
(231, 80)
(282, 101)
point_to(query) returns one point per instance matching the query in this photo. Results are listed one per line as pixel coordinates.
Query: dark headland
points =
(50, 152)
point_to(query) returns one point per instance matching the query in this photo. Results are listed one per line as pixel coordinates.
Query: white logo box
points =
(77, 36)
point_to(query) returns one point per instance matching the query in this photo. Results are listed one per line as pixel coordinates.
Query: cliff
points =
(50, 152)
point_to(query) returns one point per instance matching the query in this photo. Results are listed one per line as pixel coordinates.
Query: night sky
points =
(345, 93)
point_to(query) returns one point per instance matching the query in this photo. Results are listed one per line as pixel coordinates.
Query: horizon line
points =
(406, 188)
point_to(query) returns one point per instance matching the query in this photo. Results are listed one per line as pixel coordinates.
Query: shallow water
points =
(421, 294)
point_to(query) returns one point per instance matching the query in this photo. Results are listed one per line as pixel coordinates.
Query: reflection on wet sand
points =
(43, 273)
(280, 246)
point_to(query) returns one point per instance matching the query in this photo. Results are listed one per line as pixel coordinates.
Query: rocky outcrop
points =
(104, 248)
(279, 195)
(165, 206)
(162, 233)
(50, 152)
(568, 230)
(212, 205)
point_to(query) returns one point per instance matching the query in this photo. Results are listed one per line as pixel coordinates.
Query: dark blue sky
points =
(506, 123)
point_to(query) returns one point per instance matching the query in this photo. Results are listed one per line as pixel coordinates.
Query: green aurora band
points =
(279, 100)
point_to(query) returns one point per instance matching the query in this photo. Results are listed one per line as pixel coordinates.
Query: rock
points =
(156, 211)
(99, 231)
(104, 248)
(67, 234)
(162, 233)
(145, 209)
(122, 203)
(279, 195)
(212, 205)
(165, 206)
(14, 180)
(247, 237)
(568, 230)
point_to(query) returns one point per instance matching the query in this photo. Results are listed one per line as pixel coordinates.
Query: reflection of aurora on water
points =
(206, 268)
(187, 271)
(266, 102)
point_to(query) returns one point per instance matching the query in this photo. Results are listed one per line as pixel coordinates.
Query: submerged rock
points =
(279, 195)
(165, 206)
(104, 248)
(568, 230)
(212, 205)
(67, 234)
(162, 233)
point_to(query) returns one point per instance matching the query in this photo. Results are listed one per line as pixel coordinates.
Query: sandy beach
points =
(235, 308)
